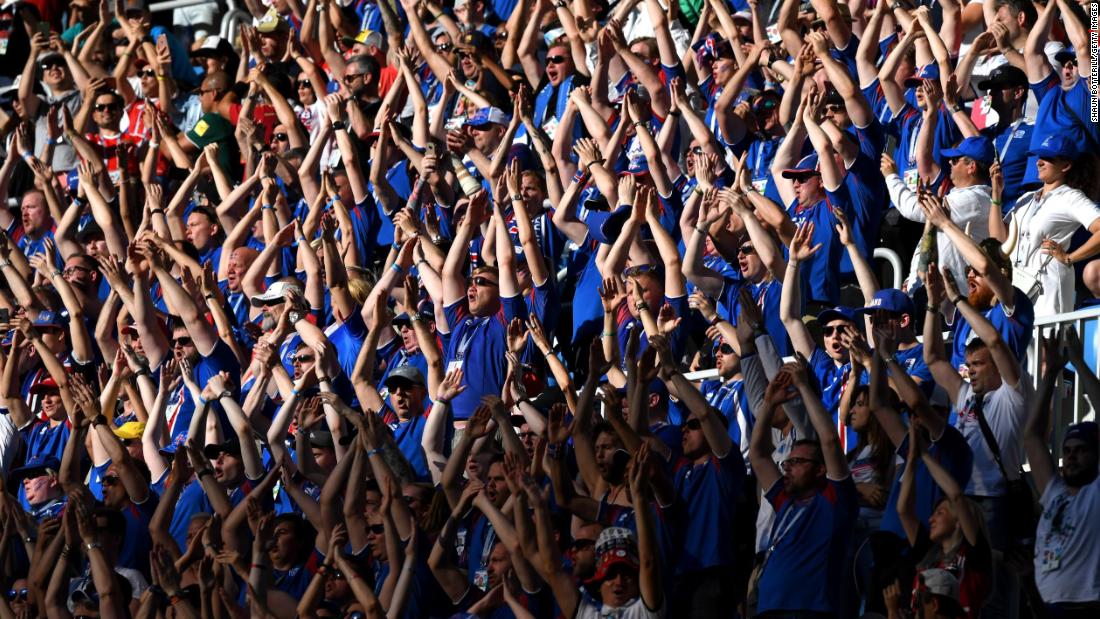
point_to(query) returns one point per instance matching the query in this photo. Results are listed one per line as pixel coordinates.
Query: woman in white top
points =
(1046, 220)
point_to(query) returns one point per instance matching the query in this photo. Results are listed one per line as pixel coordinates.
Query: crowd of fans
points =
(379, 308)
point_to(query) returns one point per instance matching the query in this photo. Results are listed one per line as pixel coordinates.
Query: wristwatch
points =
(295, 316)
(225, 394)
(338, 125)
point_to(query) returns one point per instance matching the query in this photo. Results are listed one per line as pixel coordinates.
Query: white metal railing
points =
(1070, 404)
(891, 256)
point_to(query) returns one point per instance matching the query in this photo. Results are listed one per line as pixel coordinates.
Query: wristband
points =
(554, 450)
(161, 78)
(674, 113)
(339, 125)
(995, 202)
(211, 296)
(397, 269)
(717, 319)
(956, 300)
(700, 229)
(548, 353)
(443, 402)
(608, 334)
(55, 273)
(517, 198)
(267, 207)
(373, 452)
(92, 546)
(205, 472)
(143, 372)
(641, 305)
(26, 154)
(294, 392)
(932, 309)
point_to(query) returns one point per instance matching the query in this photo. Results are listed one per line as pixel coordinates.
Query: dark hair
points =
(974, 345)
(809, 442)
(1085, 175)
(1020, 6)
(882, 452)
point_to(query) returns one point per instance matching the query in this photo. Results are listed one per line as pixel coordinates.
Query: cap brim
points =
(606, 566)
(795, 173)
(832, 314)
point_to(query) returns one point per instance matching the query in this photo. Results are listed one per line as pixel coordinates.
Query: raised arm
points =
(790, 301)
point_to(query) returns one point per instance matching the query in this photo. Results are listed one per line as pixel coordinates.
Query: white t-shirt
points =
(1005, 410)
(1057, 215)
(590, 608)
(1067, 544)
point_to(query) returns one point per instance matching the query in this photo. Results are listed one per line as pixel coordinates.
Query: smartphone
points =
(430, 149)
(44, 28)
(891, 145)
(5, 315)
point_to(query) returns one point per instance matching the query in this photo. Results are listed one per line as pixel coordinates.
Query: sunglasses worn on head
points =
(638, 269)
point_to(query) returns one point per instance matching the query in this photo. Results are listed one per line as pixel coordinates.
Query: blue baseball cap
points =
(1067, 54)
(1087, 431)
(1056, 146)
(35, 466)
(806, 166)
(47, 318)
(175, 445)
(927, 72)
(487, 116)
(889, 300)
(978, 148)
(637, 167)
(839, 312)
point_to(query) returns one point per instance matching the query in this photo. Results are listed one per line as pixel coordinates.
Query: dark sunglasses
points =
(748, 250)
(351, 78)
(304, 84)
(21, 594)
(697, 150)
(443, 48)
(106, 107)
(147, 73)
(693, 424)
(377, 529)
(725, 349)
(356, 615)
(281, 137)
(462, 54)
(110, 480)
(46, 65)
(765, 105)
(484, 281)
(337, 574)
(581, 544)
(831, 329)
(501, 35)
(302, 359)
(181, 341)
(555, 59)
